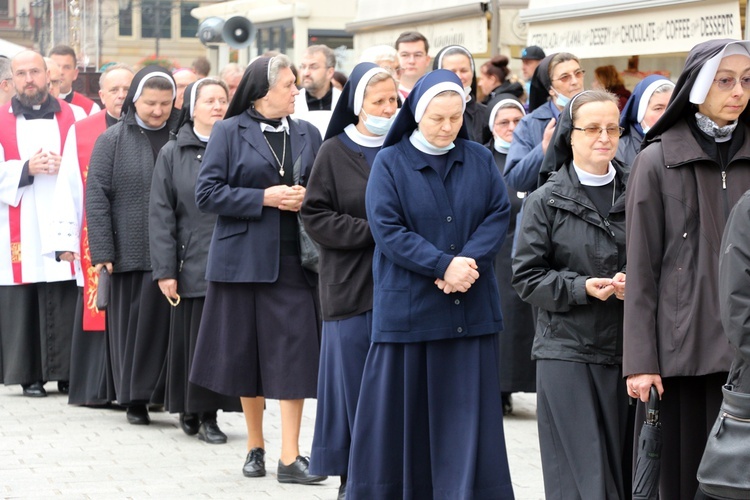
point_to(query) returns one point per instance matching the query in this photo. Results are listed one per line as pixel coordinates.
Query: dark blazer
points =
(420, 222)
(237, 167)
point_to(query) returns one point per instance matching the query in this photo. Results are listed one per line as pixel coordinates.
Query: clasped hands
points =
(602, 288)
(284, 197)
(44, 162)
(460, 275)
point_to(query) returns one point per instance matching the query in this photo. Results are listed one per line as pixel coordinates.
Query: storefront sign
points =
(640, 32)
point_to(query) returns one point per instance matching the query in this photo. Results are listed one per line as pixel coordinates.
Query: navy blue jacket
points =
(525, 155)
(421, 222)
(237, 167)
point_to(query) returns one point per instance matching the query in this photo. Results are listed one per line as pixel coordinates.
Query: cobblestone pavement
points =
(50, 449)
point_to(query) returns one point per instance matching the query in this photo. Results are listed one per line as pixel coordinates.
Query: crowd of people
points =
(410, 244)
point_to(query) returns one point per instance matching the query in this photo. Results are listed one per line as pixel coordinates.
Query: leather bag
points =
(724, 471)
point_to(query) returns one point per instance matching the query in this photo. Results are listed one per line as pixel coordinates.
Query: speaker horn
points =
(238, 32)
(209, 31)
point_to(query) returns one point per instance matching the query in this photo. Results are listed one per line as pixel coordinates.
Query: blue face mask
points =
(377, 124)
(420, 142)
(561, 100)
(501, 146)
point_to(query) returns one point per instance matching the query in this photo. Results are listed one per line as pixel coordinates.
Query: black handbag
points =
(102, 290)
(724, 471)
(309, 253)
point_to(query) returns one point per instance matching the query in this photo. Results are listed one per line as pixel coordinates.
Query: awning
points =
(387, 13)
(258, 11)
(591, 30)
(10, 49)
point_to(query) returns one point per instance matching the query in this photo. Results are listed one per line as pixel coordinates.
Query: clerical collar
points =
(46, 110)
(143, 125)
(363, 140)
(324, 103)
(67, 97)
(589, 179)
(283, 127)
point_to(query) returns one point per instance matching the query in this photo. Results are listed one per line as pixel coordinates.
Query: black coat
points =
(179, 233)
(237, 167)
(563, 242)
(734, 283)
(335, 217)
(117, 196)
(629, 146)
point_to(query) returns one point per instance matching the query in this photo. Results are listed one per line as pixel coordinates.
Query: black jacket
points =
(734, 283)
(335, 217)
(179, 233)
(629, 146)
(117, 194)
(564, 241)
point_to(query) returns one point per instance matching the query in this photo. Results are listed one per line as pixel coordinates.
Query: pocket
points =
(341, 300)
(226, 228)
(394, 310)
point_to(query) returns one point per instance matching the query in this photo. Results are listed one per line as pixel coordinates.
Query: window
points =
(156, 18)
(126, 19)
(188, 24)
(275, 36)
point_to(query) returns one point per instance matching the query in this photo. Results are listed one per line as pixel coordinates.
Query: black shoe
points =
(138, 415)
(34, 390)
(255, 464)
(342, 489)
(209, 432)
(189, 423)
(507, 403)
(63, 386)
(297, 472)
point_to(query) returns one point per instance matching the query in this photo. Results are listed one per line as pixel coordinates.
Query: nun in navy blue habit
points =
(429, 421)
(334, 215)
(646, 104)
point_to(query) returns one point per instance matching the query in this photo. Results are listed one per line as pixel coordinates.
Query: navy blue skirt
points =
(260, 339)
(343, 352)
(429, 423)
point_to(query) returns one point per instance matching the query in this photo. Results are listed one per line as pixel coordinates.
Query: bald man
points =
(182, 78)
(39, 290)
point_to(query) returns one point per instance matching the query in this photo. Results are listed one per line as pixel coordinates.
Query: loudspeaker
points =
(238, 32)
(209, 31)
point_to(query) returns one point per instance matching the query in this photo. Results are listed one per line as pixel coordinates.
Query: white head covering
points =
(147, 77)
(646, 96)
(705, 78)
(431, 92)
(194, 94)
(504, 104)
(359, 92)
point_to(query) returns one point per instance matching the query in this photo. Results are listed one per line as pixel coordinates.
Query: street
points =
(50, 449)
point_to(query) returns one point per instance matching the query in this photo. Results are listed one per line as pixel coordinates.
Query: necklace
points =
(283, 155)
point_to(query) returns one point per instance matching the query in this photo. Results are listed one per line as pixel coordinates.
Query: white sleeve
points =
(10, 176)
(67, 200)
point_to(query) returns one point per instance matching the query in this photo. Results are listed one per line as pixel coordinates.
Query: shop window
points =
(188, 24)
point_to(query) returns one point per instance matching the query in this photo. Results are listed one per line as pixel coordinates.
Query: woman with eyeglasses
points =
(694, 167)
(570, 264)
(517, 370)
(557, 78)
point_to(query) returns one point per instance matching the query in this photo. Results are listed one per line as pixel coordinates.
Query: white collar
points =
(63, 96)
(363, 140)
(284, 127)
(589, 179)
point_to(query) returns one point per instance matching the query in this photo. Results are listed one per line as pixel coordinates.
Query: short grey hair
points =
(664, 88)
(112, 68)
(231, 69)
(276, 64)
(326, 51)
(378, 53)
(5, 72)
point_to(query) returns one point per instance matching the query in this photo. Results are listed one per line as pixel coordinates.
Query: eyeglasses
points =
(592, 131)
(506, 123)
(729, 82)
(565, 77)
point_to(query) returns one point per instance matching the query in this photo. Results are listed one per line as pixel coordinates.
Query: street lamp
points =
(23, 21)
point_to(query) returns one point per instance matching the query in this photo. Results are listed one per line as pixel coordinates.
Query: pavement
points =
(49, 449)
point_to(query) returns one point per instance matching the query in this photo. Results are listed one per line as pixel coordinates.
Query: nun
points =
(459, 60)
(259, 335)
(569, 263)
(335, 217)
(694, 167)
(517, 369)
(646, 105)
(117, 199)
(429, 420)
(179, 235)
